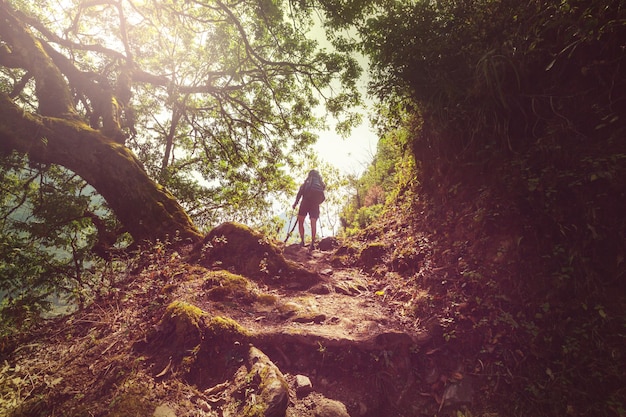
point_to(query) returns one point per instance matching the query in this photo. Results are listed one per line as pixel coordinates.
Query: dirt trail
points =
(343, 306)
(235, 326)
(338, 329)
(343, 335)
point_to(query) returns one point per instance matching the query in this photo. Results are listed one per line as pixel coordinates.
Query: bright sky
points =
(352, 154)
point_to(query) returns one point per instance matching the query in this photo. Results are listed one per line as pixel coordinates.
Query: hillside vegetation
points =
(481, 271)
(513, 225)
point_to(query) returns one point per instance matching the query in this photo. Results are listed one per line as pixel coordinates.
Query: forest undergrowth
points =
(521, 270)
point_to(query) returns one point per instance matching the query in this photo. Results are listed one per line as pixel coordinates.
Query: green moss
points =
(224, 285)
(374, 246)
(345, 254)
(185, 311)
(372, 254)
(190, 360)
(247, 250)
(254, 410)
(185, 317)
(224, 326)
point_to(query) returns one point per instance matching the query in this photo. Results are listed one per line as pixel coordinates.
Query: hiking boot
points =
(312, 247)
(302, 243)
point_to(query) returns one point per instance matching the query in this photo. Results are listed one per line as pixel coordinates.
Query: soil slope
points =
(236, 326)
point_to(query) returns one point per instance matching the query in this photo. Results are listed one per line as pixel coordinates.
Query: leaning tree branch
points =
(124, 30)
(20, 85)
(147, 210)
(53, 37)
(252, 52)
(50, 86)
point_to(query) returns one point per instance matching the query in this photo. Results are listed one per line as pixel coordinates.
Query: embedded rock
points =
(330, 408)
(303, 385)
(272, 388)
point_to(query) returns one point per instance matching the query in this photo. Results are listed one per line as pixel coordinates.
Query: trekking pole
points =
(289, 228)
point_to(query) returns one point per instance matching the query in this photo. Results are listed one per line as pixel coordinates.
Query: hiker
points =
(312, 193)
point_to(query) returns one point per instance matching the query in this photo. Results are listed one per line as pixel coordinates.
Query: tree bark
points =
(146, 209)
(56, 134)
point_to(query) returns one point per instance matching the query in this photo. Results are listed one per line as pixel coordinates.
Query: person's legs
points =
(313, 230)
(302, 213)
(314, 214)
(301, 228)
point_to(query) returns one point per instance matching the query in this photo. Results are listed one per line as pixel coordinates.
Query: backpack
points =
(314, 189)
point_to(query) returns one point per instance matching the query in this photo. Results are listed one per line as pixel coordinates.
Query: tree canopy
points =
(489, 77)
(152, 118)
(215, 99)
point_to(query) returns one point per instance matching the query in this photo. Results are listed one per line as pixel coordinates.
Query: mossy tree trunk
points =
(54, 133)
(147, 210)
